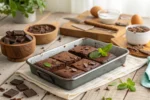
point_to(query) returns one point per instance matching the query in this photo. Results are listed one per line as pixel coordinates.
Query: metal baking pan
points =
(70, 84)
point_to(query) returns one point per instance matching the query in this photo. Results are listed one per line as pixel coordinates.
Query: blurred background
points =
(141, 7)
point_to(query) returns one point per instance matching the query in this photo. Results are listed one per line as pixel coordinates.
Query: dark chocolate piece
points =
(16, 82)
(19, 33)
(22, 87)
(10, 93)
(6, 40)
(29, 93)
(2, 89)
(28, 37)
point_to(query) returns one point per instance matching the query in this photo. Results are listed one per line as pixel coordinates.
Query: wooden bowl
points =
(18, 52)
(46, 37)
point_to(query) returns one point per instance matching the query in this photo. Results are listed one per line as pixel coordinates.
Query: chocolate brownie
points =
(82, 51)
(66, 57)
(105, 59)
(69, 72)
(55, 65)
(85, 64)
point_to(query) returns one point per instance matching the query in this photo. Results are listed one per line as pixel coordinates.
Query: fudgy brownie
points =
(69, 72)
(105, 59)
(55, 65)
(66, 57)
(82, 51)
(85, 64)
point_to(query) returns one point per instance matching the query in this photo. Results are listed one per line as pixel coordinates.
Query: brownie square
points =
(69, 72)
(55, 65)
(85, 65)
(22, 87)
(66, 57)
(29, 93)
(105, 59)
(82, 51)
(10, 93)
(16, 82)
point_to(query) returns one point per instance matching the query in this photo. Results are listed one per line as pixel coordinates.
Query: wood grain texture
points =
(18, 52)
(95, 33)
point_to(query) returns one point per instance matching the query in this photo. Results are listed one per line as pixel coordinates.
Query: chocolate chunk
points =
(85, 65)
(59, 39)
(20, 39)
(91, 63)
(19, 33)
(12, 41)
(9, 33)
(2, 89)
(30, 93)
(22, 87)
(74, 70)
(16, 82)
(6, 40)
(28, 37)
(10, 93)
(16, 99)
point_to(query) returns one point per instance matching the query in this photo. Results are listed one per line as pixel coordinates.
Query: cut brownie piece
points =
(105, 59)
(69, 72)
(55, 65)
(29, 93)
(66, 57)
(16, 82)
(82, 51)
(22, 87)
(10, 93)
(85, 64)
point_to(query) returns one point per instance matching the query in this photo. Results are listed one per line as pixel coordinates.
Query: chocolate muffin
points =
(66, 57)
(82, 51)
(68, 72)
(85, 65)
(55, 65)
(105, 59)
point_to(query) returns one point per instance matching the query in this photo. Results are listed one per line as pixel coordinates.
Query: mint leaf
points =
(103, 53)
(46, 64)
(107, 48)
(112, 84)
(131, 88)
(130, 82)
(108, 99)
(122, 86)
(94, 55)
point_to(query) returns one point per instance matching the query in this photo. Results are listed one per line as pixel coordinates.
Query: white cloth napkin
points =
(131, 64)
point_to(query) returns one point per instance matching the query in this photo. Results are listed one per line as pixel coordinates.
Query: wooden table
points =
(7, 68)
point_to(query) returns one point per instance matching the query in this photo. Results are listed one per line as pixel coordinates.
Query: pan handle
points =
(45, 76)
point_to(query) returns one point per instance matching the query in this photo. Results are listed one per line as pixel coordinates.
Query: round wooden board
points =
(122, 42)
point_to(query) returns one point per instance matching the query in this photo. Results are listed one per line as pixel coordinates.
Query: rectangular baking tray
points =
(70, 84)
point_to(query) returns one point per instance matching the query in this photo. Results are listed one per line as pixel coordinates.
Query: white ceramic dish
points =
(108, 16)
(137, 38)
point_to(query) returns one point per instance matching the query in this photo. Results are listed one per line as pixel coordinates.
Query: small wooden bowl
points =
(46, 37)
(18, 52)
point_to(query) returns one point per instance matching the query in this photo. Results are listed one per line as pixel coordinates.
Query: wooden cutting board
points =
(98, 33)
(122, 42)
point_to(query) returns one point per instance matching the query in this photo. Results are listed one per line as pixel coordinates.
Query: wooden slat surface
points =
(8, 68)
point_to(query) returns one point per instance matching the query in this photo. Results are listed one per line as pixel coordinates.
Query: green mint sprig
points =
(46, 64)
(127, 85)
(101, 52)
